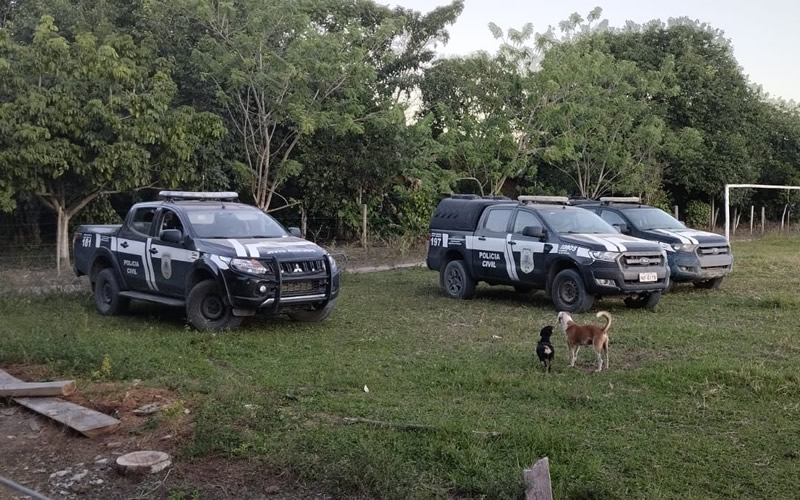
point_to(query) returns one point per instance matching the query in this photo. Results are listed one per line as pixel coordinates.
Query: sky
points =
(765, 34)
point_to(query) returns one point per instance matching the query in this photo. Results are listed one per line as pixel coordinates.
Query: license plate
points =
(648, 277)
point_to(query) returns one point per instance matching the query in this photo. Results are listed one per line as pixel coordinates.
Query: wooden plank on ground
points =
(537, 481)
(88, 422)
(5, 378)
(36, 389)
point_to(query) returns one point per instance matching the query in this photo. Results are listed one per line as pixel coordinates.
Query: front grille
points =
(300, 268)
(637, 260)
(300, 288)
(718, 250)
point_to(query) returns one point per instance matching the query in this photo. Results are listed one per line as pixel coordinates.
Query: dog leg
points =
(573, 353)
(606, 347)
(599, 354)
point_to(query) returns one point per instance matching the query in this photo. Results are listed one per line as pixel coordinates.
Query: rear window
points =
(143, 219)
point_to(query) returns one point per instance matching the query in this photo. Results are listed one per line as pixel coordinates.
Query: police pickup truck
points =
(543, 243)
(697, 256)
(219, 259)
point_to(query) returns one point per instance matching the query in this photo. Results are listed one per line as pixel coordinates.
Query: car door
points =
(170, 261)
(131, 248)
(490, 257)
(528, 252)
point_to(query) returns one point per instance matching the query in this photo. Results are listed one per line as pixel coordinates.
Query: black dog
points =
(544, 349)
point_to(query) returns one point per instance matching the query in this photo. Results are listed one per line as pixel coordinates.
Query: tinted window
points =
(497, 220)
(525, 219)
(170, 220)
(575, 220)
(234, 223)
(612, 217)
(143, 220)
(653, 218)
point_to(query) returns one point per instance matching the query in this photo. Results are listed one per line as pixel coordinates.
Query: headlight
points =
(332, 262)
(249, 266)
(684, 247)
(604, 256)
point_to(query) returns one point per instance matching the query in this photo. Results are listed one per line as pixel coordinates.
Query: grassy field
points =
(702, 399)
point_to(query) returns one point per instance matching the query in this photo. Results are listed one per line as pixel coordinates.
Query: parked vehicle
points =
(220, 259)
(541, 243)
(699, 257)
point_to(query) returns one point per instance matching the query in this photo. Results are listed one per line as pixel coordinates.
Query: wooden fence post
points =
(303, 221)
(537, 481)
(752, 212)
(762, 221)
(364, 225)
(675, 209)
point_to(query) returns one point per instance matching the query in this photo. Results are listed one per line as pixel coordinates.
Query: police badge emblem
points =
(526, 260)
(166, 266)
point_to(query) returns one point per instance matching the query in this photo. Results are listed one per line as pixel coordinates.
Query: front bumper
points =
(279, 293)
(615, 278)
(689, 266)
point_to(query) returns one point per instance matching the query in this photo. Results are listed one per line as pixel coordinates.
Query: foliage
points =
(698, 214)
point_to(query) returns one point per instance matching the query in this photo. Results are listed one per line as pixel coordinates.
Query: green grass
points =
(702, 399)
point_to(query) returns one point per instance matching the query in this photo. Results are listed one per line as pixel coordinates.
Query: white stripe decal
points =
(240, 251)
(148, 262)
(253, 247)
(609, 246)
(619, 242)
(683, 239)
(511, 265)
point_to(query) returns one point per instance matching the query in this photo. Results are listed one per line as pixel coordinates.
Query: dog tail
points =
(603, 314)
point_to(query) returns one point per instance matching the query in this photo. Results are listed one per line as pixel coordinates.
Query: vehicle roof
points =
(197, 204)
(621, 206)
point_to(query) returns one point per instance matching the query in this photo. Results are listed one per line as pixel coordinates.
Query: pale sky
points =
(765, 33)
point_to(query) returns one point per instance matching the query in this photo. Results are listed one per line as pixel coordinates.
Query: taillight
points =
(75, 238)
(428, 237)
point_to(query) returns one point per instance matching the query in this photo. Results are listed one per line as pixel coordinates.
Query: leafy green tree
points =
(86, 117)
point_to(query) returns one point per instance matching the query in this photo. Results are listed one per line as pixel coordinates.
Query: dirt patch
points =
(59, 463)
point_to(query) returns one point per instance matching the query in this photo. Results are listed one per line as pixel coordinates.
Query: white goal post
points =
(728, 205)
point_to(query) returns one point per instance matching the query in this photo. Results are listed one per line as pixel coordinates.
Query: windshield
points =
(652, 218)
(234, 223)
(575, 221)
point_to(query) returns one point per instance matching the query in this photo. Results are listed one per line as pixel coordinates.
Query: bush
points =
(698, 214)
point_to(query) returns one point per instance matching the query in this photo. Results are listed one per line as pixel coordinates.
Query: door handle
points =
(153, 251)
(482, 238)
(512, 242)
(124, 244)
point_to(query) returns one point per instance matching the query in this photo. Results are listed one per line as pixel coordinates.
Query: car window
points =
(653, 218)
(170, 220)
(612, 217)
(575, 221)
(497, 220)
(234, 223)
(143, 220)
(525, 219)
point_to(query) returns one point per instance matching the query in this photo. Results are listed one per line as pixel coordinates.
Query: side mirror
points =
(622, 228)
(171, 235)
(534, 232)
(295, 231)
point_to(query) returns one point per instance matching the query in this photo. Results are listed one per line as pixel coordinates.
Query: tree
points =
(84, 117)
(281, 75)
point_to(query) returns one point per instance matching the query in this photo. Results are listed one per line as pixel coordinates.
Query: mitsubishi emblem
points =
(297, 269)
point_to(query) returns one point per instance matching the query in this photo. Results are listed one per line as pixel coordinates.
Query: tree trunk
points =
(62, 239)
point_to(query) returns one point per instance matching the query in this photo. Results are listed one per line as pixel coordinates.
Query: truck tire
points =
(106, 294)
(643, 300)
(569, 293)
(456, 281)
(711, 284)
(208, 310)
(310, 316)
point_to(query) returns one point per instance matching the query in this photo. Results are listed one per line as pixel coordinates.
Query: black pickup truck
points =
(541, 243)
(694, 256)
(220, 259)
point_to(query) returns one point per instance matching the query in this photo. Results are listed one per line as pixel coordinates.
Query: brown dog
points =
(578, 335)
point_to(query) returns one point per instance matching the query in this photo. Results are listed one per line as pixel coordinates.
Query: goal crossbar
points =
(728, 205)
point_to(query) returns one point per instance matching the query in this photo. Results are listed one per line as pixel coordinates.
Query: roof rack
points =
(620, 199)
(464, 196)
(198, 195)
(554, 200)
